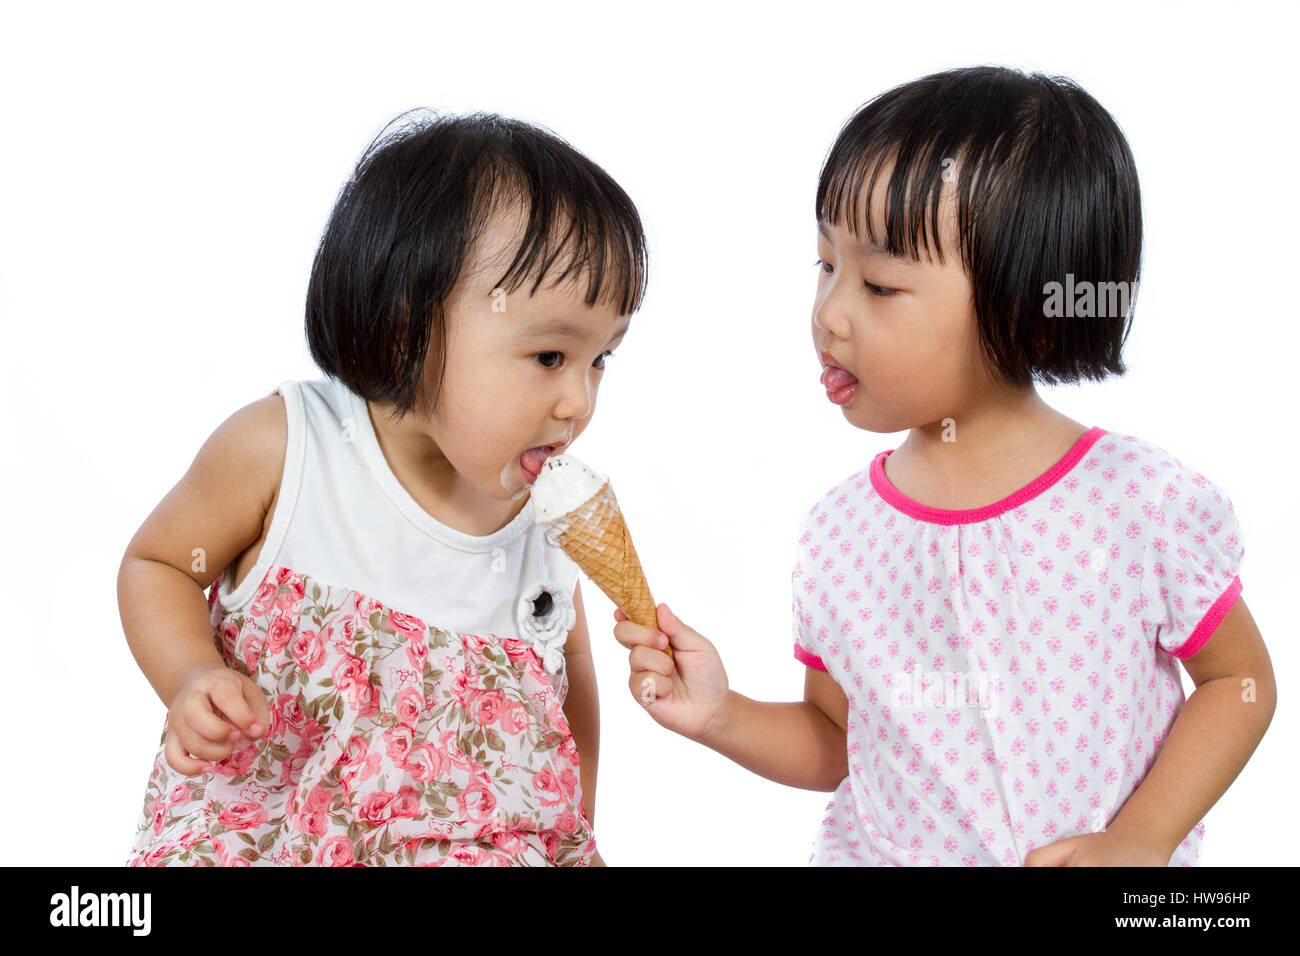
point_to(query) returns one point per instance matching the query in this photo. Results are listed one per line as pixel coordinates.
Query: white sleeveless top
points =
(342, 517)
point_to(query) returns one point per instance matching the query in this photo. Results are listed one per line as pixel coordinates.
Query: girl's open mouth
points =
(532, 460)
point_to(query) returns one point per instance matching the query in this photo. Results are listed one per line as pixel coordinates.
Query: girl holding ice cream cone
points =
(992, 616)
(391, 666)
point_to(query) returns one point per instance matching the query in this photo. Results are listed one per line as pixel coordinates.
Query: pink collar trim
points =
(915, 509)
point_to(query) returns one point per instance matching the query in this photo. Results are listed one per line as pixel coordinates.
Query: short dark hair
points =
(1047, 188)
(405, 224)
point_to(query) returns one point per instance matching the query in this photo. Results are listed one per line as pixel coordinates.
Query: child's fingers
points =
(201, 721)
(632, 635)
(647, 687)
(619, 615)
(191, 743)
(1054, 854)
(230, 698)
(261, 710)
(648, 659)
(179, 760)
(683, 638)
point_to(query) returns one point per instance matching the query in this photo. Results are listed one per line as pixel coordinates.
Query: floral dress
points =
(394, 738)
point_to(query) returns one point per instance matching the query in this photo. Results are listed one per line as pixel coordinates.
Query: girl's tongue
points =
(836, 378)
(533, 459)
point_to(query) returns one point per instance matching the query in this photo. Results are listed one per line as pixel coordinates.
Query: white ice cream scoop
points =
(563, 485)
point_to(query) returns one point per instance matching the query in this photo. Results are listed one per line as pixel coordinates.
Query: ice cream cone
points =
(596, 537)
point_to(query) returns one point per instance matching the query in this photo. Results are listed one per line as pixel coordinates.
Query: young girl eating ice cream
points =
(390, 665)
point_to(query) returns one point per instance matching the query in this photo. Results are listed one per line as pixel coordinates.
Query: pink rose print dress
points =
(1011, 671)
(414, 674)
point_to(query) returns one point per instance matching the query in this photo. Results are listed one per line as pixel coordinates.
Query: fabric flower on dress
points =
(545, 614)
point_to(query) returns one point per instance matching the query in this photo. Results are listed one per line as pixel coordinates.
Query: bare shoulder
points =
(258, 435)
(246, 452)
(221, 503)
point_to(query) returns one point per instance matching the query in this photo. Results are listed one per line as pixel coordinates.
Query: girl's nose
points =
(578, 397)
(828, 323)
(830, 311)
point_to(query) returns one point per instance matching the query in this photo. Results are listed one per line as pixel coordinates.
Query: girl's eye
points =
(543, 356)
(876, 290)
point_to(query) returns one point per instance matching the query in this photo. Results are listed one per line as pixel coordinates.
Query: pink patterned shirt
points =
(1011, 671)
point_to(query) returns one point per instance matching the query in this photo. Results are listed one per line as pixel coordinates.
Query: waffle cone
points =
(595, 536)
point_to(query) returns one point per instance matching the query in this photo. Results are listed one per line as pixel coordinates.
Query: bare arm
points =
(213, 514)
(1210, 741)
(799, 744)
(582, 708)
(582, 705)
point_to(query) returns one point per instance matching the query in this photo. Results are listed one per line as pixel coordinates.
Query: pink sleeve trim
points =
(809, 660)
(1213, 618)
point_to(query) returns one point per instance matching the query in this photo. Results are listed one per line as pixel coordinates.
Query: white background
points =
(166, 174)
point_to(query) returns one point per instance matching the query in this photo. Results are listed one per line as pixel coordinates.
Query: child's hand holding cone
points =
(687, 693)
